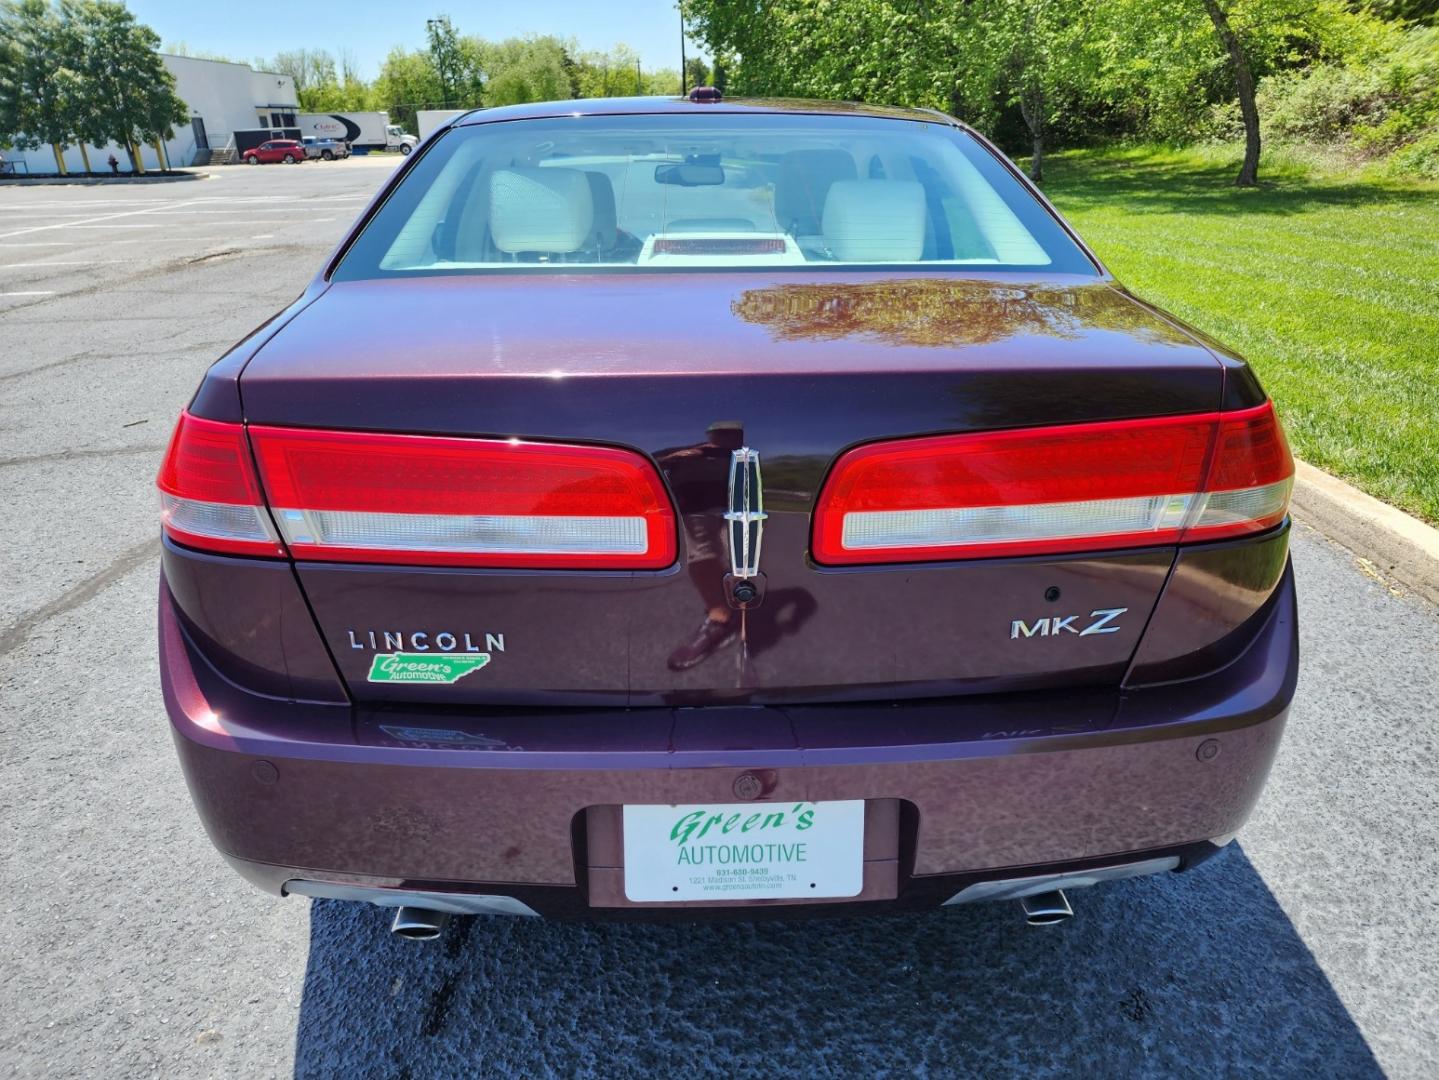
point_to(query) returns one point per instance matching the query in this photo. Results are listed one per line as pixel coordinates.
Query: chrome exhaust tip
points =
(1046, 909)
(419, 924)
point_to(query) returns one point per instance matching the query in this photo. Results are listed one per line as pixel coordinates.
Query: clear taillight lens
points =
(1079, 487)
(1250, 479)
(342, 496)
(209, 496)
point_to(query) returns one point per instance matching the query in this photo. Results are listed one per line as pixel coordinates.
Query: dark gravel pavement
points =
(1309, 948)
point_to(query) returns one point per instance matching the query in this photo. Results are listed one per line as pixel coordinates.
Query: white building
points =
(224, 99)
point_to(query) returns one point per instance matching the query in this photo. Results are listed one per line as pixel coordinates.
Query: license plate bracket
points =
(743, 851)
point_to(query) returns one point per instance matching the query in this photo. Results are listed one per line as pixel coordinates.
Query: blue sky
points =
(369, 28)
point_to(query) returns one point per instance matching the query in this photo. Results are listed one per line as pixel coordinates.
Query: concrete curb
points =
(1400, 549)
(94, 181)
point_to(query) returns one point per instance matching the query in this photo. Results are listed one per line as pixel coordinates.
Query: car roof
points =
(635, 106)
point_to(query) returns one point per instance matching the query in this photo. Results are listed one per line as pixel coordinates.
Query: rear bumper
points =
(525, 805)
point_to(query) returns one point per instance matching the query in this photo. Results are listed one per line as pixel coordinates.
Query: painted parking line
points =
(299, 204)
(108, 242)
(172, 227)
(59, 262)
(45, 212)
(113, 240)
(112, 227)
(126, 225)
(94, 220)
(30, 292)
(265, 210)
(68, 209)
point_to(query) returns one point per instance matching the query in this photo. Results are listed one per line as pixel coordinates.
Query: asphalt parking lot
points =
(1310, 947)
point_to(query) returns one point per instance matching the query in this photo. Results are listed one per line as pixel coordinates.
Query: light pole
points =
(684, 87)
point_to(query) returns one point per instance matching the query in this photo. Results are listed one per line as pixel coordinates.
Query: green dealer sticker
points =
(418, 667)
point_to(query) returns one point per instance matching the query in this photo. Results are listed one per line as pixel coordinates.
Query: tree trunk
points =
(160, 154)
(137, 166)
(85, 156)
(1031, 108)
(1244, 78)
(59, 158)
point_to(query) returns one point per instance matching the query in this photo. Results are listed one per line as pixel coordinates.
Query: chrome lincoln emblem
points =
(746, 515)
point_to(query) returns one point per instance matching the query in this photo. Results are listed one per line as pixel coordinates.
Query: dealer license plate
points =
(744, 851)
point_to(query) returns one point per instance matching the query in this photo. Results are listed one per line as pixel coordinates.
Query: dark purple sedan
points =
(668, 505)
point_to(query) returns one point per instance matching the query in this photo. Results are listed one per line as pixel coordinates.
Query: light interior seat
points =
(875, 220)
(804, 182)
(540, 211)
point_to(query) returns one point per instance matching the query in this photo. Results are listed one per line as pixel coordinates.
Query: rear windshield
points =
(707, 191)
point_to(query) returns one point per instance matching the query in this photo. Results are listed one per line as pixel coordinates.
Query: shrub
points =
(1322, 103)
(1386, 102)
(1419, 158)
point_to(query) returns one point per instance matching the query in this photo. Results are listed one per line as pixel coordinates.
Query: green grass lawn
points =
(1328, 283)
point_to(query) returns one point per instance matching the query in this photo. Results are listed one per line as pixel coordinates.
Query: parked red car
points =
(290, 151)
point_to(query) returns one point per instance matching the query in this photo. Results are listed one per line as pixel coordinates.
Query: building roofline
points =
(208, 60)
(233, 63)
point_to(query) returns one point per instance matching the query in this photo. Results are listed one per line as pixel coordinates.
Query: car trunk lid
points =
(683, 369)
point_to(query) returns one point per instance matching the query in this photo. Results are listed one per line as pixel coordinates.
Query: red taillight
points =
(1079, 487)
(345, 496)
(209, 496)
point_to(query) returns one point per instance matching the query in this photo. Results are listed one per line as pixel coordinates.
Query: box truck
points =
(362, 130)
(427, 120)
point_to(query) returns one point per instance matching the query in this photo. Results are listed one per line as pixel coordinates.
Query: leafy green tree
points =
(1166, 63)
(1076, 67)
(616, 73)
(526, 69)
(697, 72)
(1029, 55)
(444, 52)
(355, 93)
(38, 96)
(129, 94)
(322, 83)
(313, 72)
(660, 82)
(974, 59)
(456, 62)
(1418, 11)
(407, 82)
(1244, 85)
(722, 68)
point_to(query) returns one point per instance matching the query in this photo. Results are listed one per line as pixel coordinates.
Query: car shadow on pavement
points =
(1199, 973)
